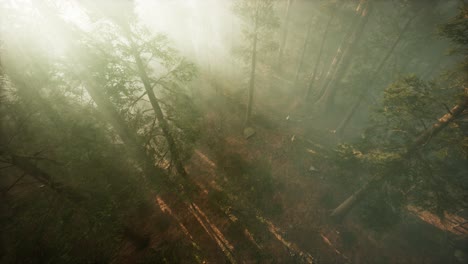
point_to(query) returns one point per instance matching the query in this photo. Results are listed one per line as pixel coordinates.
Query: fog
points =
(233, 131)
(194, 26)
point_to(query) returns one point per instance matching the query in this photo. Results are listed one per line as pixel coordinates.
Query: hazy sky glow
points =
(193, 25)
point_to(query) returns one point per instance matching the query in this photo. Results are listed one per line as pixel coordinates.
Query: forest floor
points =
(266, 199)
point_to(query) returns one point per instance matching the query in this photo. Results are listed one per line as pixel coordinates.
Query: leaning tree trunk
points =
(285, 35)
(339, 52)
(110, 114)
(342, 66)
(252, 73)
(158, 112)
(340, 212)
(104, 105)
(129, 137)
(319, 56)
(304, 50)
(342, 126)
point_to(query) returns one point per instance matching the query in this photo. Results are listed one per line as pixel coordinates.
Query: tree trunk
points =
(304, 49)
(345, 60)
(158, 112)
(109, 113)
(346, 206)
(285, 35)
(341, 211)
(252, 73)
(319, 56)
(342, 126)
(339, 52)
(104, 105)
(439, 125)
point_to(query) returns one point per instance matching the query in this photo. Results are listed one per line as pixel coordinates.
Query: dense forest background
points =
(235, 131)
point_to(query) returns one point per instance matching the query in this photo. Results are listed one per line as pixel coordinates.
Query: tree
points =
(405, 170)
(259, 22)
(76, 122)
(144, 50)
(341, 127)
(303, 52)
(319, 56)
(345, 52)
(53, 136)
(284, 36)
(404, 164)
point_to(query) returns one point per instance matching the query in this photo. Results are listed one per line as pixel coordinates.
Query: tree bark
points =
(346, 206)
(158, 112)
(104, 105)
(339, 52)
(110, 114)
(252, 72)
(285, 35)
(304, 49)
(319, 56)
(345, 60)
(342, 126)
(340, 212)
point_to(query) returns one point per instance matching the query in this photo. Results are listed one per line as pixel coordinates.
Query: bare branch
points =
(171, 90)
(15, 182)
(166, 75)
(138, 99)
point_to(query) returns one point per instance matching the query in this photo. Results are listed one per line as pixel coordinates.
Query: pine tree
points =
(410, 155)
(259, 22)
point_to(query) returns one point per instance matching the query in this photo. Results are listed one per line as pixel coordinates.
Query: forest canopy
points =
(206, 131)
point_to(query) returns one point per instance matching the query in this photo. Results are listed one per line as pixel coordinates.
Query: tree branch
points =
(15, 182)
(154, 83)
(138, 99)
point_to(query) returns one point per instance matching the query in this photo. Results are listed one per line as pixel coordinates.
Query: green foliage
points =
(457, 28)
(347, 155)
(113, 44)
(410, 105)
(261, 12)
(48, 116)
(429, 178)
(69, 142)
